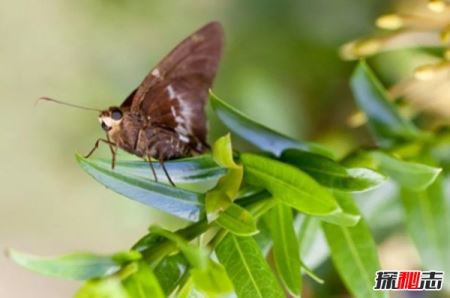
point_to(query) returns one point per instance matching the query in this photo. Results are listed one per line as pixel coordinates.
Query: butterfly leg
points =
(113, 149)
(96, 146)
(153, 169)
(165, 172)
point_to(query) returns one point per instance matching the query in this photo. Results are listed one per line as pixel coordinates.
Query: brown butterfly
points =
(164, 117)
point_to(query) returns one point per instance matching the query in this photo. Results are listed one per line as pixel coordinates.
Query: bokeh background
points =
(280, 66)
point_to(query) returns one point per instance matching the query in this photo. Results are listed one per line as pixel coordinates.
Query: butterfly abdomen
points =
(163, 144)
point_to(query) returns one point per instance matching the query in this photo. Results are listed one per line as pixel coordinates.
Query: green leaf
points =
(428, 222)
(155, 247)
(257, 134)
(176, 201)
(223, 156)
(222, 152)
(147, 242)
(246, 267)
(216, 202)
(142, 283)
(126, 256)
(188, 291)
(238, 221)
(223, 194)
(286, 251)
(441, 148)
(289, 185)
(197, 174)
(294, 188)
(263, 238)
(414, 176)
(78, 266)
(313, 248)
(264, 203)
(195, 255)
(171, 271)
(354, 252)
(219, 200)
(103, 288)
(212, 280)
(208, 276)
(342, 218)
(330, 173)
(383, 119)
(308, 271)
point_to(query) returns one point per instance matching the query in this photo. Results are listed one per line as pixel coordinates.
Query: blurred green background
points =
(280, 66)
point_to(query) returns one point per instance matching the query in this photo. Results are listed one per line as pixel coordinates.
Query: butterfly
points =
(164, 117)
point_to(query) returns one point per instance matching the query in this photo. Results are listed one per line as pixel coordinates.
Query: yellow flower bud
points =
(390, 21)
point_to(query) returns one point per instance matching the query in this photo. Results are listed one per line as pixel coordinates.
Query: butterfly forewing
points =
(174, 94)
(129, 100)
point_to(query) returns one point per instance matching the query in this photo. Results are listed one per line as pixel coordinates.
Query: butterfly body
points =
(164, 117)
(136, 134)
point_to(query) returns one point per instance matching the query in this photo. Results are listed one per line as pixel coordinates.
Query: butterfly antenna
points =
(65, 103)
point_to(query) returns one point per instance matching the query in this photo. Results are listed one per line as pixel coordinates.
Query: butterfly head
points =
(111, 118)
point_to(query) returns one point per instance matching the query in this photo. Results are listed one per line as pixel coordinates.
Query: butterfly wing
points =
(129, 100)
(174, 94)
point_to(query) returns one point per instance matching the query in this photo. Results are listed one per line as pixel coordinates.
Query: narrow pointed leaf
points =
(170, 272)
(428, 221)
(286, 251)
(150, 245)
(341, 218)
(257, 134)
(354, 253)
(238, 220)
(198, 173)
(208, 276)
(196, 256)
(176, 201)
(383, 119)
(330, 173)
(188, 290)
(289, 185)
(308, 271)
(313, 246)
(441, 148)
(247, 269)
(143, 283)
(223, 156)
(78, 266)
(216, 202)
(212, 280)
(414, 176)
(101, 288)
(218, 199)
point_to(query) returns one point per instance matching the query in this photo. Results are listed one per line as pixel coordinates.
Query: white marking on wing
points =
(183, 138)
(156, 73)
(181, 130)
(172, 94)
(186, 113)
(174, 113)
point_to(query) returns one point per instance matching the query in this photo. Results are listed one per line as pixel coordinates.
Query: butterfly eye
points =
(116, 114)
(104, 126)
